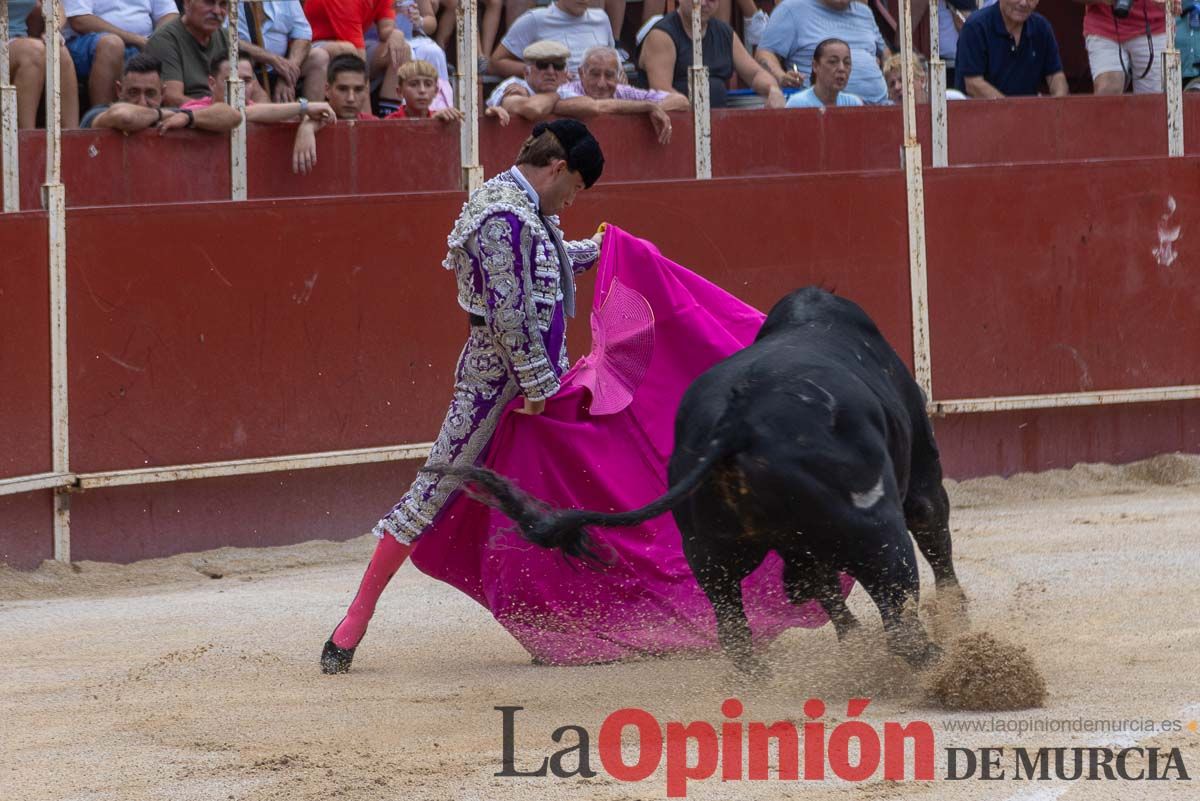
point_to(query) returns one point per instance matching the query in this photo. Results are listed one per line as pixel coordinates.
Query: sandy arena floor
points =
(196, 677)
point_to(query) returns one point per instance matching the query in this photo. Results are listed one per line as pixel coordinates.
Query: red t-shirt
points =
(402, 114)
(1099, 21)
(345, 20)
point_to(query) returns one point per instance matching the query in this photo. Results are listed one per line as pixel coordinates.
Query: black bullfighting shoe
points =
(334, 659)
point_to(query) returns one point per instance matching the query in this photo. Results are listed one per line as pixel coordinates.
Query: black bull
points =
(812, 442)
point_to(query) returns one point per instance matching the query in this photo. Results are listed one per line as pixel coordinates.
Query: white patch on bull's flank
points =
(865, 500)
(1168, 232)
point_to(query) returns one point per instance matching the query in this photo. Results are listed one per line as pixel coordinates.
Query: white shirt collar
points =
(520, 178)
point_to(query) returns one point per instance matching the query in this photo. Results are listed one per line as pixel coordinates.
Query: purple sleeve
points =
(511, 314)
(583, 253)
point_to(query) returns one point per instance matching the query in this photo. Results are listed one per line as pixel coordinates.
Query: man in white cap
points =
(534, 96)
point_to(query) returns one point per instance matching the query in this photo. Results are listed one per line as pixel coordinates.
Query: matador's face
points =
(564, 186)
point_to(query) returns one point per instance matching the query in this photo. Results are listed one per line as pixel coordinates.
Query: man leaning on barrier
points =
(102, 34)
(346, 88)
(311, 116)
(601, 90)
(534, 96)
(140, 106)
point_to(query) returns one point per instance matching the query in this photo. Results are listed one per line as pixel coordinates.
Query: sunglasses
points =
(545, 65)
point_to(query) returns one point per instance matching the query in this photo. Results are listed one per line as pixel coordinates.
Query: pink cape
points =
(647, 601)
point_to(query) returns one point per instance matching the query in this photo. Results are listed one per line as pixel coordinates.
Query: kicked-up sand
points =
(196, 678)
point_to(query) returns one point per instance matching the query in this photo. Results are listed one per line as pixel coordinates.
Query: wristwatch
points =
(159, 110)
(191, 117)
(304, 107)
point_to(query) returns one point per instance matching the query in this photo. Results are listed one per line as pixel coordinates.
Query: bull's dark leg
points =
(721, 556)
(928, 518)
(887, 569)
(927, 514)
(724, 590)
(806, 580)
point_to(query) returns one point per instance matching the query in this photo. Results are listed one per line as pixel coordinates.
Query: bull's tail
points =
(566, 529)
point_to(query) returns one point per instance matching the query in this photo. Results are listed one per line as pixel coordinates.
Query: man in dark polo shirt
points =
(186, 46)
(1007, 49)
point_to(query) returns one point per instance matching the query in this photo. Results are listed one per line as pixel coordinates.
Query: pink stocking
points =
(388, 557)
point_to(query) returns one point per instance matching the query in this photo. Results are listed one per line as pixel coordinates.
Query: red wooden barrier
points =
(207, 331)
(103, 168)
(24, 346)
(1043, 278)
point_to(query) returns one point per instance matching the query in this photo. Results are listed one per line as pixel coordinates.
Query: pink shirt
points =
(624, 92)
(204, 102)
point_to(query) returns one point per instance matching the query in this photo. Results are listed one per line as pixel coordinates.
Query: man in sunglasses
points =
(534, 96)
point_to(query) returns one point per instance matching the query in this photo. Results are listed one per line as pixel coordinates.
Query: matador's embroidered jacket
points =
(511, 264)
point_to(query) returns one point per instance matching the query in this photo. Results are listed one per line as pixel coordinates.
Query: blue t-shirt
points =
(808, 99)
(18, 10)
(986, 48)
(796, 28)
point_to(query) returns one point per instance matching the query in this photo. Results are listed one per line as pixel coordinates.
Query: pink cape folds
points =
(663, 327)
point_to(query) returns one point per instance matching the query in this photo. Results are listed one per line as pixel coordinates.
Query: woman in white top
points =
(830, 72)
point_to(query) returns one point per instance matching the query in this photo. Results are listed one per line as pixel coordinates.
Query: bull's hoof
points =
(752, 668)
(922, 658)
(334, 659)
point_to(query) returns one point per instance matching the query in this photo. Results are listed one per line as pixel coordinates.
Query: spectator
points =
(1008, 49)
(286, 49)
(666, 56)
(1187, 42)
(600, 90)
(186, 46)
(534, 96)
(139, 106)
(27, 66)
(102, 34)
(447, 11)
(568, 21)
(489, 29)
(755, 23)
(419, 89)
(1126, 50)
(346, 87)
(798, 26)
(443, 93)
(893, 69)
(340, 26)
(312, 116)
(951, 16)
(412, 21)
(417, 21)
(830, 72)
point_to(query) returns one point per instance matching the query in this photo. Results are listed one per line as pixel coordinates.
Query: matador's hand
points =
(533, 407)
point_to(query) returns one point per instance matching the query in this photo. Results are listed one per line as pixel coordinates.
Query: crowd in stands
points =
(142, 63)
